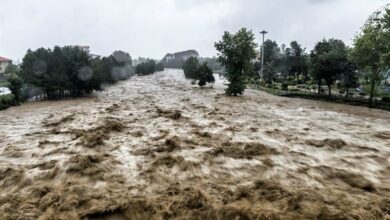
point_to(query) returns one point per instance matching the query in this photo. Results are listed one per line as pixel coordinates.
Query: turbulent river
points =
(156, 147)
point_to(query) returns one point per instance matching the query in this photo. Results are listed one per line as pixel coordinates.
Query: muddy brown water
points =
(155, 147)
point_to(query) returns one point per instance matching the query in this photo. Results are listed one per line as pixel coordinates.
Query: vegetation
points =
(7, 101)
(328, 62)
(147, 68)
(118, 66)
(15, 84)
(63, 71)
(190, 68)
(3, 83)
(202, 74)
(235, 52)
(371, 49)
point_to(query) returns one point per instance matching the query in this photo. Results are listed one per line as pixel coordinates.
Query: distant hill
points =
(176, 60)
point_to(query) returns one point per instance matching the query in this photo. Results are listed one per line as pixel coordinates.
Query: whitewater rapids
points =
(156, 147)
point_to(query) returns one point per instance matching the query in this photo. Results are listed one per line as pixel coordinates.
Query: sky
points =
(152, 28)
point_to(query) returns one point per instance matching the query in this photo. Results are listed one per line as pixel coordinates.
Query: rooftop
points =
(3, 59)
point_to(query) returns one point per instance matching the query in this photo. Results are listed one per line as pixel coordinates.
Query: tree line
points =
(68, 72)
(330, 60)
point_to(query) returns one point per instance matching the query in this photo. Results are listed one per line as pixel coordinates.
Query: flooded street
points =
(155, 147)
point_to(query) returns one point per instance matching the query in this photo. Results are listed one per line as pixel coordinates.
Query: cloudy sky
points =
(151, 28)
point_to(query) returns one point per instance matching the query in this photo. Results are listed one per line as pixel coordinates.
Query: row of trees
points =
(330, 60)
(65, 71)
(200, 73)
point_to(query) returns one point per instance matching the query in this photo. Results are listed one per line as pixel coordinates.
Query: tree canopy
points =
(371, 49)
(328, 61)
(236, 52)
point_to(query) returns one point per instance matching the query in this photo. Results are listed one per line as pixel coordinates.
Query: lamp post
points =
(262, 55)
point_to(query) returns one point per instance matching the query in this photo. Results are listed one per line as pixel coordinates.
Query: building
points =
(4, 62)
(84, 48)
(88, 51)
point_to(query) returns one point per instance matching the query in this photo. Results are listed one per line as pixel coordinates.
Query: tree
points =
(349, 77)
(272, 60)
(146, 68)
(190, 67)
(371, 48)
(118, 66)
(204, 75)
(15, 84)
(63, 71)
(296, 60)
(236, 52)
(160, 67)
(328, 60)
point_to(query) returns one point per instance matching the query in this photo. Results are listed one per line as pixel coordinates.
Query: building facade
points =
(4, 62)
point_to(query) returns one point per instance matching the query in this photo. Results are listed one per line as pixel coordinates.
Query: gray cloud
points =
(154, 27)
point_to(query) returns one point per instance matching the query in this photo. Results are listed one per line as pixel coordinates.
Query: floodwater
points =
(155, 147)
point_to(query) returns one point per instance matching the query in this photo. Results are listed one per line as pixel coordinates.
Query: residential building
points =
(4, 62)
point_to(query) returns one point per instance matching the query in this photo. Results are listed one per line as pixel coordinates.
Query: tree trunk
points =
(346, 96)
(330, 92)
(372, 91)
(319, 86)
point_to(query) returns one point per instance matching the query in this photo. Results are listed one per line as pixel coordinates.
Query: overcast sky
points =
(151, 28)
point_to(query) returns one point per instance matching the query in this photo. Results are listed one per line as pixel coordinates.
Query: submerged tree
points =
(146, 68)
(235, 52)
(204, 75)
(190, 67)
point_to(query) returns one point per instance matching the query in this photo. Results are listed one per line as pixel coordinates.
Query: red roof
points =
(3, 59)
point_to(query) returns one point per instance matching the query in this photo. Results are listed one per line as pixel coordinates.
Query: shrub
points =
(7, 101)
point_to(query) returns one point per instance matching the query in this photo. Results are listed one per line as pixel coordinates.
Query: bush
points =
(284, 86)
(15, 84)
(7, 101)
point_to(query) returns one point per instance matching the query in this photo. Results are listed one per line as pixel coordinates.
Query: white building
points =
(4, 62)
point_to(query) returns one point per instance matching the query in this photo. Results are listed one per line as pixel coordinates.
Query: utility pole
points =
(262, 55)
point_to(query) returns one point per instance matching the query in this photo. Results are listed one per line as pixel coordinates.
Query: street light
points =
(262, 55)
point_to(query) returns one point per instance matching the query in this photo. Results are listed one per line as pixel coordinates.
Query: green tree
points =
(63, 71)
(349, 77)
(371, 48)
(146, 68)
(296, 60)
(204, 75)
(328, 59)
(160, 67)
(190, 67)
(272, 61)
(236, 52)
(15, 84)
